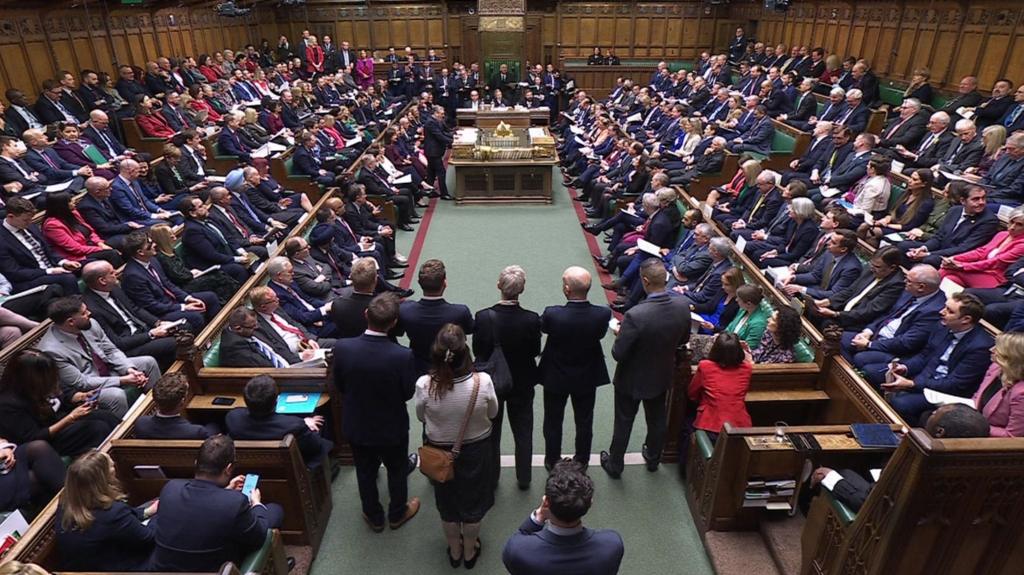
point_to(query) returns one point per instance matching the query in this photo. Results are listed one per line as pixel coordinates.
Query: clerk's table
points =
(504, 165)
(489, 118)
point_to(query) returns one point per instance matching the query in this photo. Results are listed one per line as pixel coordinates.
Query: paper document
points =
(950, 287)
(897, 166)
(875, 474)
(216, 179)
(780, 274)
(59, 187)
(706, 210)
(939, 398)
(647, 247)
(741, 242)
(829, 192)
(20, 294)
(614, 324)
(1004, 212)
(894, 237)
(261, 152)
(634, 118)
(406, 179)
(208, 270)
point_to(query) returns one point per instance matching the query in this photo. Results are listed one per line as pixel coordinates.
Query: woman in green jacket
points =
(751, 319)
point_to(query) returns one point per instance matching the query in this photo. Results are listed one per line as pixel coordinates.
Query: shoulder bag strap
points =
(469, 412)
(494, 330)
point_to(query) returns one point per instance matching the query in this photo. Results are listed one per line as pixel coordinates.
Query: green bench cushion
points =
(895, 195)
(802, 352)
(891, 95)
(846, 515)
(212, 356)
(254, 562)
(704, 444)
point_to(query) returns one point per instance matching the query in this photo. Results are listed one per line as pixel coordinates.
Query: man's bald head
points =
(128, 165)
(98, 116)
(576, 283)
(96, 184)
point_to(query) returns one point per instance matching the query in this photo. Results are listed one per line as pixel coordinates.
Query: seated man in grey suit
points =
(553, 540)
(88, 361)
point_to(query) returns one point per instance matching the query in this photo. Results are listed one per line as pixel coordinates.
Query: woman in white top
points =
(872, 194)
(442, 397)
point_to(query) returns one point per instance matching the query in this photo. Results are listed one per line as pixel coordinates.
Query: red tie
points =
(101, 366)
(288, 328)
(894, 128)
(156, 276)
(241, 229)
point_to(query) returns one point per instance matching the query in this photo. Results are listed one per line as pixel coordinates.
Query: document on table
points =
(647, 247)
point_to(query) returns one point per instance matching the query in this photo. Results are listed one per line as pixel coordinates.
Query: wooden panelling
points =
(951, 38)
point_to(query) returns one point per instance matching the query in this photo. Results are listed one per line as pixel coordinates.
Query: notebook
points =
(874, 435)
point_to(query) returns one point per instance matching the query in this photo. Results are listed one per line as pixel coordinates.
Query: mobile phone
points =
(250, 483)
(223, 401)
(93, 397)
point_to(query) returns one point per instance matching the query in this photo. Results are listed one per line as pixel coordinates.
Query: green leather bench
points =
(783, 144)
(704, 444)
(891, 95)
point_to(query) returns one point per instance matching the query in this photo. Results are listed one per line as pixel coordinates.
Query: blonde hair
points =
(250, 116)
(1009, 355)
(259, 295)
(751, 169)
(90, 485)
(994, 137)
(163, 237)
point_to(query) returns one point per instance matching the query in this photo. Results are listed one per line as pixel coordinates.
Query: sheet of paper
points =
(208, 270)
(261, 152)
(59, 187)
(216, 179)
(741, 243)
(647, 247)
(950, 287)
(939, 398)
(24, 293)
(894, 237)
(897, 166)
(830, 192)
(614, 324)
(1004, 212)
(875, 474)
(634, 118)
(406, 179)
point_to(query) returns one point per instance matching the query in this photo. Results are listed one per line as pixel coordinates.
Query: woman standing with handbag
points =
(456, 406)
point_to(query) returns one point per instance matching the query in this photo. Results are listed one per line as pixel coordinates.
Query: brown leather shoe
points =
(411, 509)
(377, 528)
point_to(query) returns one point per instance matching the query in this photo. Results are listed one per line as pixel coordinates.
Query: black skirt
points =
(468, 497)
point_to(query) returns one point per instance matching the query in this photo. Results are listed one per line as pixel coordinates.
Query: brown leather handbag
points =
(438, 463)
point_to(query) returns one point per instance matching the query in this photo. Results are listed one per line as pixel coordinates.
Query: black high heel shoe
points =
(470, 563)
(453, 561)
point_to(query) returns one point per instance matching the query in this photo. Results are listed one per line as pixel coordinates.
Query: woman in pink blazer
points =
(364, 70)
(985, 267)
(1000, 398)
(70, 236)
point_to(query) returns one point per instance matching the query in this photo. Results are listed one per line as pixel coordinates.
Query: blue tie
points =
(245, 204)
(268, 353)
(1014, 115)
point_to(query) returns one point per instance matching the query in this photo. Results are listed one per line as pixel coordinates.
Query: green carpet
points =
(648, 509)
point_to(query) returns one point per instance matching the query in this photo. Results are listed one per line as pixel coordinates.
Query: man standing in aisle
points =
(645, 349)
(436, 142)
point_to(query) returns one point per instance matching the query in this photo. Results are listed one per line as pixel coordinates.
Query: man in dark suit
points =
(517, 332)
(310, 311)
(50, 109)
(205, 245)
(96, 209)
(25, 258)
(147, 286)
(964, 228)
(375, 377)
(239, 347)
(133, 330)
(962, 152)
(305, 161)
(933, 145)
(907, 129)
(47, 163)
(207, 520)
(283, 334)
(572, 365)
(844, 174)
(315, 278)
(868, 298)
(817, 151)
(646, 346)
(954, 361)
(967, 97)
(421, 320)
(258, 421)
(169, 395)
(758, 138)
(19, 115)
(856, 115)
(348, 312)
(903, 331)
(1005, 178)
(989, 112)
(251, 236)
(553, 539)
(804, 105)
(702, 294)
(833, 273)
(17, 178)
(436, 142)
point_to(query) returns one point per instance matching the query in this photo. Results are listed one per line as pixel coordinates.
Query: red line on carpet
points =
(417, 245)
(595, 248)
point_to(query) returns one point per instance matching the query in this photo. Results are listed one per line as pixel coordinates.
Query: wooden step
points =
(803, 395)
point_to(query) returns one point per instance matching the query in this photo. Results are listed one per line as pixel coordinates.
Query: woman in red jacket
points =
(314, 58)
(720, 385)
(152, 124)
(70, 236)
(207, 69)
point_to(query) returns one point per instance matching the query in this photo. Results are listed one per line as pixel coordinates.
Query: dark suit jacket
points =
(422, 319)
(645, 349)
(17, 121)
(661, 231)
(305, 162)
(573, 359)
(914, 329)
(266, 333)
(146, 293)
(849, 171)
(229, 143)
(116, 539)
(375, 376)
(966, 365)
(857, 121)
(48, 112)
(9, 173)
(870, 307)
(535, 550)
(203, 248)
(973, 232)
(436, 138)
(102, 217)
(171, 427)
(17, 263)
(706, 291)
(202, 525)
(61, 170)
(111, 321)
(236, 351)
(759, 137)
(348, 313)
(803, 109)
(815, 154)
(518, 331)
(294, 308)
(909, 133)
(845, 272)
(241, 424)
(960, 157)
